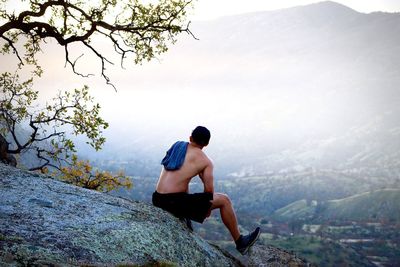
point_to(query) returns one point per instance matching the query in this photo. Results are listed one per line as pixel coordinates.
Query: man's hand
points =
(209, 213)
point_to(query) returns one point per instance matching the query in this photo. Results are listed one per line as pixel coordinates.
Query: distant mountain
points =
(292, 48)
(313, 86)
(376, 206)
(334, 72)
(305, 102)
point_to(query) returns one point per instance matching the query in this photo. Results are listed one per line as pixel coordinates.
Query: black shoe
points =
(245, 242)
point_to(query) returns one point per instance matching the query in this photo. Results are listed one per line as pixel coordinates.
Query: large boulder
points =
(45, 222)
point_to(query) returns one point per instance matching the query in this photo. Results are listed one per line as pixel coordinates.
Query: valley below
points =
(342, 222)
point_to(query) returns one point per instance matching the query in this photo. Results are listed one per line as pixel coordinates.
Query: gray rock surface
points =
(273, 257)
(46, 222)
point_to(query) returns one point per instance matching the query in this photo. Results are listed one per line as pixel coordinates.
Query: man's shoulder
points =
(207, 160)
(199, 155)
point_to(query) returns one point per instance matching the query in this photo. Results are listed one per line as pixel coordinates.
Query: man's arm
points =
(208, 178)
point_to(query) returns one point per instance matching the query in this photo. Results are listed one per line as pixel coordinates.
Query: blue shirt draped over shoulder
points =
(175, 156)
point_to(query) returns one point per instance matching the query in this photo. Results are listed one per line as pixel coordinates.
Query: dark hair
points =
(201, 135)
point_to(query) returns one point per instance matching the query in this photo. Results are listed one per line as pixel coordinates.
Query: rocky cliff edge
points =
(45, 222)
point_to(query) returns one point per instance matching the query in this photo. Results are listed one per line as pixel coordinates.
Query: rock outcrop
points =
(45, 222)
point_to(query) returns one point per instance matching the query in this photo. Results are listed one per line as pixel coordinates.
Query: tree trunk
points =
(4, 156)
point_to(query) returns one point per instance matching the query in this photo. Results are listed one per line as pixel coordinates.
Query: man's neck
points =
(196, 145)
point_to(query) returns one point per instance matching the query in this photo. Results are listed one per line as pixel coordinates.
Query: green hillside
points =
(297, 210)
(379, 205)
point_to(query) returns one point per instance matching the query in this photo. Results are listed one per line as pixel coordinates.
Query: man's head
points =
(201, 136)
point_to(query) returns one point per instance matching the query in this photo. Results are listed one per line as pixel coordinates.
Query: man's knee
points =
(224, 199)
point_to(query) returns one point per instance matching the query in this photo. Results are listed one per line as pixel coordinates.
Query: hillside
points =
(380, 205)
(47, 222)
(375, 206)
(312, 86)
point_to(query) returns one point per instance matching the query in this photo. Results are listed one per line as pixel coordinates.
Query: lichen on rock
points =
(47, 222)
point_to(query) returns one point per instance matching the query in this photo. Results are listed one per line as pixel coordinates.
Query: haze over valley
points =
(306, 87)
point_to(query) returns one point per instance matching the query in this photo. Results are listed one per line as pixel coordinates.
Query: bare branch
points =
(103, 61)
(73, 64)
(46, 163)
(11, 44)
(190, 32)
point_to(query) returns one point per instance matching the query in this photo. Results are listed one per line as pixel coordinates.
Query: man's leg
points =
(224, 204)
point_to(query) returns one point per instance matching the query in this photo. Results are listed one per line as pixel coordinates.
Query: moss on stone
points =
(88, 228)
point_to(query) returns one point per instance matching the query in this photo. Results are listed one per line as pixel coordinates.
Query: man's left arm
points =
(208, 178)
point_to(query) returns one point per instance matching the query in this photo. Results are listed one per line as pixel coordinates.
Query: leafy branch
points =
(72, 112)
(129, 26)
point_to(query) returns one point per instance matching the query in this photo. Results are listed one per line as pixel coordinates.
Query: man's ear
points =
(191, 139)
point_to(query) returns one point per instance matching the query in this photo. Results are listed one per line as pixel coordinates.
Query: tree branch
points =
(11, 44)
(73, 64)
(103, 61)
(47, 161)
(136, 30)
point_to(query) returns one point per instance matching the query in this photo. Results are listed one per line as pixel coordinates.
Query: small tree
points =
(47, 126)
(49, 130)
(130, 27)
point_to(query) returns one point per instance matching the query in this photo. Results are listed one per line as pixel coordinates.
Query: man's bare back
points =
(183, 162)
(196, 163)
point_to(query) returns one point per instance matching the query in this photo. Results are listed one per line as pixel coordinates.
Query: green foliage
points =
(131, 27)
(51, 128)
(75, 110)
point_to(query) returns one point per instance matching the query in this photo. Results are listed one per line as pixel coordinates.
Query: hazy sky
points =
(142, 107)
(209, 9)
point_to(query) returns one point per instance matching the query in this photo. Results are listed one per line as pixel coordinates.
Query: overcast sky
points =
(209, 9)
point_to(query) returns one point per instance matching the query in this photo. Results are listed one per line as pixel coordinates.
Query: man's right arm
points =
(208, 178)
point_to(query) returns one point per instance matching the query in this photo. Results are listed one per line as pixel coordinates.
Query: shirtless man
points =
(185, 160)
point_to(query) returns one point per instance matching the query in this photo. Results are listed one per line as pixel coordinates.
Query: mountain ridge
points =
(330, 5)
(306, 93)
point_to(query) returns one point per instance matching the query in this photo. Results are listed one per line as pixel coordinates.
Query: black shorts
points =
(183, 205)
